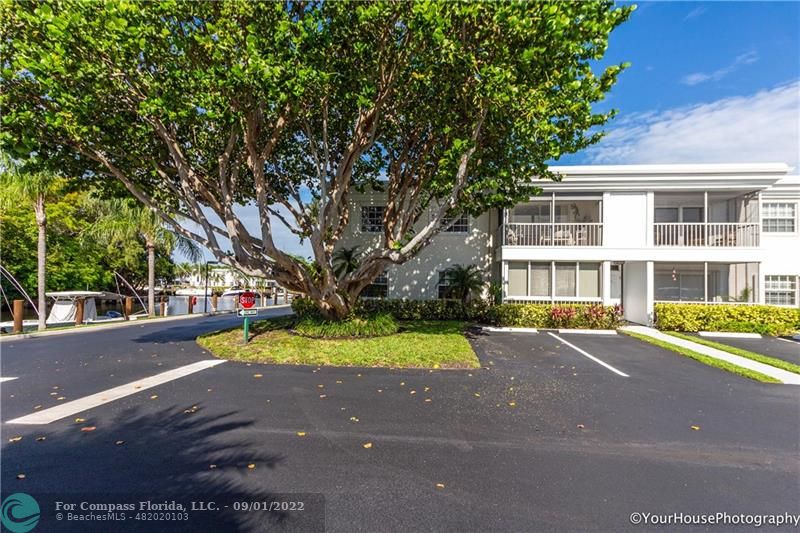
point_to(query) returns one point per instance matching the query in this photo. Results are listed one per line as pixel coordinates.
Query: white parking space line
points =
(3, 380)
(89, 402)
(590, 356)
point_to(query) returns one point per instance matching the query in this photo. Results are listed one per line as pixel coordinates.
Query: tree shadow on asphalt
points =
(180, 454)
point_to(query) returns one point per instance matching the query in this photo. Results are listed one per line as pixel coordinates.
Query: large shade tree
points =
(200, 107)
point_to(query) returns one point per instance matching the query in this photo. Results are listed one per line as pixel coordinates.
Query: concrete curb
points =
(509, 330)
(589, 331)
(89, 328)
(729, 334)
(789, 378)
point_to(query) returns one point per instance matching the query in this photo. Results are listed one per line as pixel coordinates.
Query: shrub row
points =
(593, 316)
(590, 316)
(763, 319)
(354, 327)
(407, 309)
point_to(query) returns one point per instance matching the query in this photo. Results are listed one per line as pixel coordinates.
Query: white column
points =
(649, 291)
(504, 279)
(651, 213)
(604, 229)
(605, 268)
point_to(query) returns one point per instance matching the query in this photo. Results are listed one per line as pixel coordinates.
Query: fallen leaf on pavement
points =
(413, 392)
(88, 429)
(440, 485)
(323, 395)
(696, 428)
(40, 439)
(581, 426)
(258, 375)
(353, 419)
(367, 445)
(60, 398)
(154, 396)
(512, 404)
(212, 467)
(301, 433)
(477, 395)
(15, 439)
(20, 476)
(251, 466)
(427, 389)
(79, 420)
(120, 442)
(339, 381)
(428, 399)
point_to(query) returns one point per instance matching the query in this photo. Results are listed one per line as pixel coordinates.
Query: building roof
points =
(683, 177)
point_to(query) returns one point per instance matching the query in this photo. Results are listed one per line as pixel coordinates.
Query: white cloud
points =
(747, 58)
(762, 127)
(696, 12)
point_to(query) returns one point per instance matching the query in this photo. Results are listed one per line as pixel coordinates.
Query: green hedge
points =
(354, 327)
(763, 319)
(477, 310)
(591, 316)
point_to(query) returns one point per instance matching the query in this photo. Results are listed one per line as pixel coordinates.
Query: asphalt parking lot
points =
(781, 348)
(542, 438)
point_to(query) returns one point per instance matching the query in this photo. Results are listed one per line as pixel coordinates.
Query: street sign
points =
(247, 299)
(248, 312)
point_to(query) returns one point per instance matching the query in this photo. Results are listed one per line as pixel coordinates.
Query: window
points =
(540, 279)
(379, 288)
(372, 218)
(780, 290)
(517, 279)
(565, 279)
(461, 225)
(443, 285)
(779, 217)
(589, 280)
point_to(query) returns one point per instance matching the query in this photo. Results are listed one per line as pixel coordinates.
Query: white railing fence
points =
(548, 234)
(715, 234)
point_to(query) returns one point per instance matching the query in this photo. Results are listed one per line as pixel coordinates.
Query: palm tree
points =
(33, 188)
(122, 221)
(345, 261)
(463, 281)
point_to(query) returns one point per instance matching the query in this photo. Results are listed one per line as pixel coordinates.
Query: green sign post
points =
(247, 300)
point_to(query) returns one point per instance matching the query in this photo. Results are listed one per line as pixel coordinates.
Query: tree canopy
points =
(197, 107)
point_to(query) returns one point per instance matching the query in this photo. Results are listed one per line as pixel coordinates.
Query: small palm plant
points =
(463, 281)
(122, 220)
(345, 261)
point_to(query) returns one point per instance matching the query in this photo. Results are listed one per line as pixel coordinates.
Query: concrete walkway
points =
(784, 376)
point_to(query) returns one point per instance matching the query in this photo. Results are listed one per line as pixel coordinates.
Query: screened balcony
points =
(714, 283)
(718, 219)
(560, 220)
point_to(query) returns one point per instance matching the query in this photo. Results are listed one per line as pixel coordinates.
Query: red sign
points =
(247, 299)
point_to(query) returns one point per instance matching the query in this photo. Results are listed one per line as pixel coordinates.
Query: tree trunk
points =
(41, 261)
(151, 279)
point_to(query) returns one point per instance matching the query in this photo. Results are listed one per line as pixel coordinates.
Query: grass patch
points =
(767, 360)
(418, 344)
(371, 326)
(706, 360)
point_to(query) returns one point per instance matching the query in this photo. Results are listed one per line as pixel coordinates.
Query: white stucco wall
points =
(418, 277)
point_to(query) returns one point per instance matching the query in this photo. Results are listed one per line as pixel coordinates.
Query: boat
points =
(64, 308)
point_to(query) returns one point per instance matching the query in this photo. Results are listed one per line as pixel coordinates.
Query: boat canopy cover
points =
(64, 311)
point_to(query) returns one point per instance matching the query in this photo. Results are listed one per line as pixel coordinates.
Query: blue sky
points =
(709, 82)
(709, 74)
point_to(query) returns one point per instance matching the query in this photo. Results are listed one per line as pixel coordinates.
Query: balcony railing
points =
(549, 234)
(714, 234)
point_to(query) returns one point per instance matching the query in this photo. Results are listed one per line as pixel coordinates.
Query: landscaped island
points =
(417, 344)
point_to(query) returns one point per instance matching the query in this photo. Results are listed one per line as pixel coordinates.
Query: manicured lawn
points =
(767, 360)
(420, 344)
(710, 361)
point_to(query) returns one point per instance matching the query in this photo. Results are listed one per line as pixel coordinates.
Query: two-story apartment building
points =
(630, 235)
